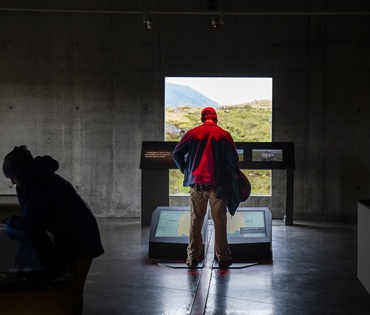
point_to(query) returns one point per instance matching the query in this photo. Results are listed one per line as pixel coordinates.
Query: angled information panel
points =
(156, 155)
(249, 233)
(169, 232)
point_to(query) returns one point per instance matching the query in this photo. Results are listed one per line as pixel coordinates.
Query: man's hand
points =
(3, 221)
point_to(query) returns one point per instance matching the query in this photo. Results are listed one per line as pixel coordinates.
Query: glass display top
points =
(176, 223)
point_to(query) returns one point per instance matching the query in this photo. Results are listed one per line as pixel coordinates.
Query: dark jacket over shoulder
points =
(50, 203)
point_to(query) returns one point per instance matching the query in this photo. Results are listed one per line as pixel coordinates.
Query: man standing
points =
(205, 155)
(51, 204)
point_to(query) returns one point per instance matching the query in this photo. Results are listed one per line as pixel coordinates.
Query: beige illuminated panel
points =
(173, 224)
(246, 224)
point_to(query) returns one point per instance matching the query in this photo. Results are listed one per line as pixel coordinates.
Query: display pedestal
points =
(248, 233)
(26, 272)
(154, 192)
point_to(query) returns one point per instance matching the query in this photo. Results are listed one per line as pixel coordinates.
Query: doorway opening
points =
(244, 109)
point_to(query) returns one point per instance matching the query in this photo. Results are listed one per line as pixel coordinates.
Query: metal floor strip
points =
(201, 295)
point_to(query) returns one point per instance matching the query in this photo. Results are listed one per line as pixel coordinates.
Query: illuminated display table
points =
(248, 232)
(363, 243)
(28, 283)
(169, 232)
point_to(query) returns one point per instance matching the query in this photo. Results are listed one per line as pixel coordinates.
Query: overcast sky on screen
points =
(228, 91)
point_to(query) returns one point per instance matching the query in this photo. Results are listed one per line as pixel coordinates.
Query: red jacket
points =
(204, 154)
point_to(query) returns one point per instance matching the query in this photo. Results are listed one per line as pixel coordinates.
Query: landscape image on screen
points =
(241, 154)
(267, 155)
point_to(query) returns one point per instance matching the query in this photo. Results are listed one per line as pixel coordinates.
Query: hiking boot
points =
(192, 262)
(225, 263)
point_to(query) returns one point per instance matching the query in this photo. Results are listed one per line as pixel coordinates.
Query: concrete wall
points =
(87, 88)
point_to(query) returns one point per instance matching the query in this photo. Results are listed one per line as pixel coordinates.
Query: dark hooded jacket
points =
(50, 203)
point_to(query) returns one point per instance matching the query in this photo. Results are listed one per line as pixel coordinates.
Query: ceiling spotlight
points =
(217, 21)
(147, 19)
(149, 22)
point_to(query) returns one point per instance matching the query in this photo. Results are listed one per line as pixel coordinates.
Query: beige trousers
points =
(198, 209)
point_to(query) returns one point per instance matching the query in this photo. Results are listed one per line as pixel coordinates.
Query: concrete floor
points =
(314, 271)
